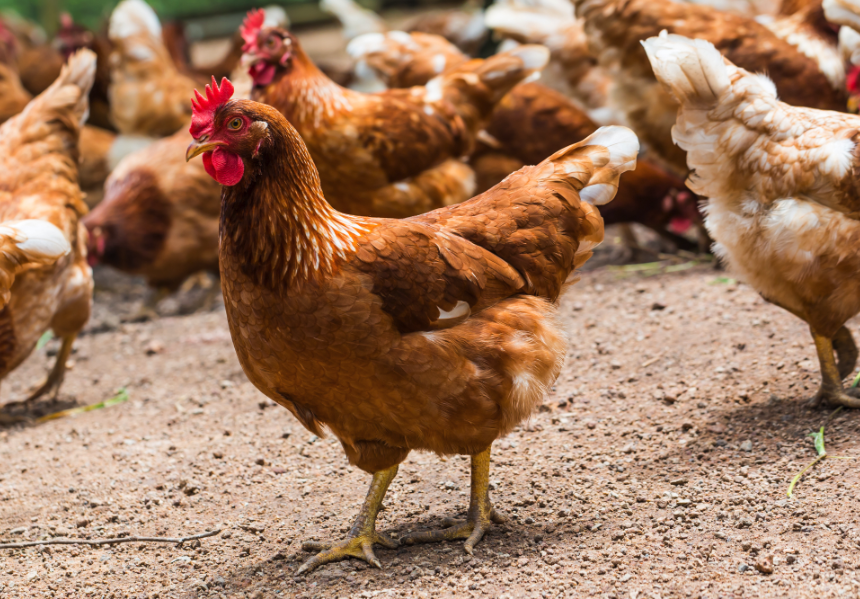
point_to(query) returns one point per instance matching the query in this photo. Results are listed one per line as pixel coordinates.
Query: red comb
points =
(250, 27)
(204, 108)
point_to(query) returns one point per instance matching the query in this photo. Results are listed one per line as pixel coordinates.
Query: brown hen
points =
(529, 124)
(158, 219)
(39, 180)
(437, 332)
(616, 29)
(395, 153)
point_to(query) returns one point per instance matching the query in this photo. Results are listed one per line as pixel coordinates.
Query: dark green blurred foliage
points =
(93, 13)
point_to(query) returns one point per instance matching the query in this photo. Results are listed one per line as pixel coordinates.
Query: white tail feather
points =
(133, 17)
(693, 70)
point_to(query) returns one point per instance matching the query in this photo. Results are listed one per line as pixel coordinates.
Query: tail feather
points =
(26, 244)
(611, 151)
(134, 18)
(843, 12)
(356, 19)
(529, 21)
(489, 80)
(69, 94)
(693, 70)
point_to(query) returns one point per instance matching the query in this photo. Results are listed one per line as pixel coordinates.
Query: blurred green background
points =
(93, 13)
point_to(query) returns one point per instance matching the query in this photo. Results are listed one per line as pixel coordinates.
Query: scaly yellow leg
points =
(359, 542)
(831, 390)
(58, 372)
(481, 513)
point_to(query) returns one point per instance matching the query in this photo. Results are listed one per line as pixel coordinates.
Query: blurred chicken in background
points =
(39, 180)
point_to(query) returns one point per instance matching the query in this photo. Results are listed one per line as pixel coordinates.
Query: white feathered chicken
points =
(784, 199)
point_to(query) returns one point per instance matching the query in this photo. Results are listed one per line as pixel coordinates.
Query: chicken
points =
(403, 59)
(803, 25)
(148, 95)
(13, 96)
(72, 37)
(159, 218)
(438, 332)
(39, 181)
(177, 46)
(847, 14)
(100, 152)
(616, 27)
(529, 124)
(395, 153)
(39, 66)
(25, 245)
(781, 184)
(532, 122)
(355, 19)
(462, 27)
(572, 70)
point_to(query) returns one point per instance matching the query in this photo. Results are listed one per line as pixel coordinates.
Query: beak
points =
(197, 148)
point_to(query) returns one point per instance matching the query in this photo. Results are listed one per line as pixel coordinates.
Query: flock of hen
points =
(364, 290)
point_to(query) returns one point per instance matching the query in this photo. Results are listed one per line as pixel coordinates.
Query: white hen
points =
(784, 203)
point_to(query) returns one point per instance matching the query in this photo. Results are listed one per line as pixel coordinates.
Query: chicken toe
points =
(481, 513)
(363, 535)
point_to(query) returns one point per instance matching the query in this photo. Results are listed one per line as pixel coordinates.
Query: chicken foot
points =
(832, 391)
(58, 372)
(480, 516)
(361, 538)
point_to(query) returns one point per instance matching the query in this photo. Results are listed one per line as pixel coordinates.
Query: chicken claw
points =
(481, 513)
(360, 540)
(832, 392)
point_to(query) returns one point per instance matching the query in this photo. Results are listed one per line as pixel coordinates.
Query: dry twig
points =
(58, 541)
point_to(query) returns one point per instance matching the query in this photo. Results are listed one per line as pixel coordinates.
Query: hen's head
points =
(71, 37)
(269, 51)
(228, 133)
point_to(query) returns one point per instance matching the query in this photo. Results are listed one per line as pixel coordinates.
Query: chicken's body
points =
(573, 70)
(370, 148)
(436, 332)
(148, 95)
(616, 28)
(529, 124)
(159, 218)
(39, 180)
(783, 197)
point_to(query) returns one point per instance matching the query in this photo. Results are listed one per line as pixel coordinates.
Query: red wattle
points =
(680, 225)
(852, 80)
(223, 166)
(262, 73)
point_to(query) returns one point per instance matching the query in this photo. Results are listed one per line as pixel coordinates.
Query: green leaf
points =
(818, 438)
(723, 281)
(121, 396)
(43, 340)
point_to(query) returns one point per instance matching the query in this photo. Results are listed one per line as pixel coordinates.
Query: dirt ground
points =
(658, 466)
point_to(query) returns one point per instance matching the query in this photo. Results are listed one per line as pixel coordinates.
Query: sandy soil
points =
(658, 466)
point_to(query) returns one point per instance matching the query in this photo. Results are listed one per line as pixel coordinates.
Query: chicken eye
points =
(235, 124)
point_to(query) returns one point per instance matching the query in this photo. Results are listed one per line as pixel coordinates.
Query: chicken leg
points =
(359, 542)
(481, 513)
(58, 372)
(831, 374)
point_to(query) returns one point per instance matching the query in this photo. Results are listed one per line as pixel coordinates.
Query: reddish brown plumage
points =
(159, 216)
(352, 323)
(366, 144)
